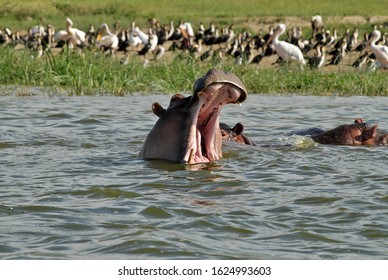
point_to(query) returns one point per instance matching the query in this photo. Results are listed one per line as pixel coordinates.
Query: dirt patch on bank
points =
(257, 23)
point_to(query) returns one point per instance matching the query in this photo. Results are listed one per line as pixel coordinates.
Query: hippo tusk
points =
(191, 157)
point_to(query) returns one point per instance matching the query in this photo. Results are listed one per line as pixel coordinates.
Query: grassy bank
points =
(90, 72)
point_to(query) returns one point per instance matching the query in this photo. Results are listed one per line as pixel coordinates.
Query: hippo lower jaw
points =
(204, 139)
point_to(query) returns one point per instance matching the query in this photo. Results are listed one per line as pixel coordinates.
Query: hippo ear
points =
(158, 109)
(358, 120)
(238, 128)
(176, 97)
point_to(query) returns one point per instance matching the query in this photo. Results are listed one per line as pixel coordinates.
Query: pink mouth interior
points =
(207, 141)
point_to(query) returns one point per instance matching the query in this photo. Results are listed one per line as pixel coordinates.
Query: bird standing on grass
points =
(72, 36)
(285, 50)
(108, 42)
(380, 51)
(318, 60)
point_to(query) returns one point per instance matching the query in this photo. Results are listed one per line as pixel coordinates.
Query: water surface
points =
(72, 185)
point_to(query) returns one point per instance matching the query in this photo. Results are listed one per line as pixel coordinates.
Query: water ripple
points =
(72, 185)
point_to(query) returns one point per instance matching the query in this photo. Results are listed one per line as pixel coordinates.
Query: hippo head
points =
(358, 133)
(188, 131)
(235, 134)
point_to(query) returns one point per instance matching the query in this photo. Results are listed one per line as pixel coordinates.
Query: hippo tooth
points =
(191, 157)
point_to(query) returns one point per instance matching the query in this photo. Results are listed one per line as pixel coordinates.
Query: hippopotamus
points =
(235, 134)
(358, 133)
(188, 131)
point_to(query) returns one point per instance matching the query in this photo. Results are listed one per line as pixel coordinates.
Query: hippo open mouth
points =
(204, 144)
(188, 131)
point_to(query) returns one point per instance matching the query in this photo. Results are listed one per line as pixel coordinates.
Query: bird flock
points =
(322, 47)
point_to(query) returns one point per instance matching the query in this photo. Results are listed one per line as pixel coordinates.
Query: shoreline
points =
(89, 71)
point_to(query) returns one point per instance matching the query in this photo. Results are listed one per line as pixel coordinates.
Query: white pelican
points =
(137, 36)
(143, 36)
(107, 42)
(134, 40)
(73, 36)
(285, 50)
(380, 51)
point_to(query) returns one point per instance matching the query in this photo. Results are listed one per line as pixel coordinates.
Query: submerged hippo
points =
(188, 131)
(358, 133)
(235, 134)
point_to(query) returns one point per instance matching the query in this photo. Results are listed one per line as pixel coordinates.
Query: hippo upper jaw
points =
(204, 143)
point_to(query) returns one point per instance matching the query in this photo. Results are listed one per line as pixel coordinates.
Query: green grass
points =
(90, 73)
(19, 13)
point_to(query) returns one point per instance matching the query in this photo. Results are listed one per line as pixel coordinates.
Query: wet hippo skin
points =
(235, 134)
(358, 133)
(188, 131)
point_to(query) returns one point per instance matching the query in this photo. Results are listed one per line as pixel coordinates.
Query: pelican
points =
(73, 36)
(380, 51)
(285, 50)
(137, 36)
(107, 42)
(143, 36)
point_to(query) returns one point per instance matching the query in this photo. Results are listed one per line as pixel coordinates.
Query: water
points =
(72, 186)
